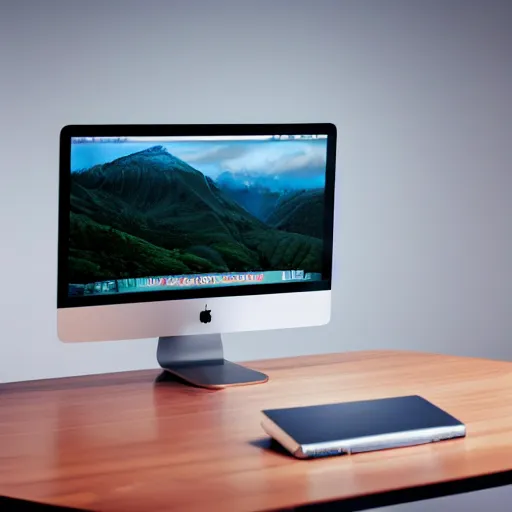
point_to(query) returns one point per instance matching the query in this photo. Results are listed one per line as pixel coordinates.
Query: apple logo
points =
(205, 316)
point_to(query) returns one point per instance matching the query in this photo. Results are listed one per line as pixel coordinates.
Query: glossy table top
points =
(123, 442)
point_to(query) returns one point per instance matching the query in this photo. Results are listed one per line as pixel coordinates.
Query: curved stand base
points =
(218, 376)
(199, 360)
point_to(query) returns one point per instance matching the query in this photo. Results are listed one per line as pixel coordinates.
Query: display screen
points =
(179, 213)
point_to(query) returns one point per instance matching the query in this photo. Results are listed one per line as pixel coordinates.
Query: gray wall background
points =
(420, 91)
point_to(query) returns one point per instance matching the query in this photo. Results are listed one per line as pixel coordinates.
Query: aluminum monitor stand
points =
(199, 360)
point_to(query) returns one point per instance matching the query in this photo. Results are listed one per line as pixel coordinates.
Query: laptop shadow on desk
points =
(271, 445)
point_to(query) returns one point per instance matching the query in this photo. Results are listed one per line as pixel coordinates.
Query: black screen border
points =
(141, 130)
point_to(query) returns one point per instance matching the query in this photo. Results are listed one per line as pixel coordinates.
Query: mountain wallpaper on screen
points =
(150, 213)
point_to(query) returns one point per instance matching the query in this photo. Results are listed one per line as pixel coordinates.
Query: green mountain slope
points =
(99, 252)
(301, 212)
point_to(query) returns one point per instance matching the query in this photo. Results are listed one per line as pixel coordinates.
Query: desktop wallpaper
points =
(143, 207)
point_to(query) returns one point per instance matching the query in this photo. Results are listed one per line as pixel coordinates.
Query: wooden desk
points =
(121, 442)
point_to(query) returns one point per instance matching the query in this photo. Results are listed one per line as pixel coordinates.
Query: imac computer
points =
(186, 232)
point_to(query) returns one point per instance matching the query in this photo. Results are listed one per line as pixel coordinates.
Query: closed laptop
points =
(362, 426)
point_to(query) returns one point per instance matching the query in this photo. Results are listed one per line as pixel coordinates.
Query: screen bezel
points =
(118, 130)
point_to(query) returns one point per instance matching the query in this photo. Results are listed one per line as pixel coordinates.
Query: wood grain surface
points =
(125, 442)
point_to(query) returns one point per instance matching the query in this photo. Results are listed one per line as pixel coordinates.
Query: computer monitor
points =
(185, 232)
